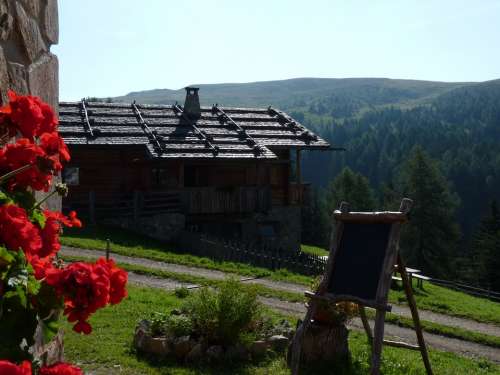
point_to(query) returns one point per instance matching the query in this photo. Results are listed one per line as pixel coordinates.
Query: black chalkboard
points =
(359, 259)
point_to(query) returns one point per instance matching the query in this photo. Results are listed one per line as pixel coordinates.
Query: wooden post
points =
(378, 339)
(366, 325)
(414, 314)
(92, 207)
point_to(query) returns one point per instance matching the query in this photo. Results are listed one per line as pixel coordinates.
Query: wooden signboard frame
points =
(379, 302)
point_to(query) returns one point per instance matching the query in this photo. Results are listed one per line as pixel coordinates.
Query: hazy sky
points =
(112, 47)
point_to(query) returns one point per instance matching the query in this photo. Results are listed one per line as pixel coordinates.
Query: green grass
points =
(433, 297)
(108, 349)
(450, 302)
(263, 291)
(313, 250)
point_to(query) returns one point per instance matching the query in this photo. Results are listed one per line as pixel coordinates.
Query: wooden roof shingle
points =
(167, 132)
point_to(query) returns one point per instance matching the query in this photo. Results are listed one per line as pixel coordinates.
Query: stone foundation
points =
(163, 227)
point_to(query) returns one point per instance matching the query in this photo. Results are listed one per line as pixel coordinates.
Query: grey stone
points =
(258, 348)
(4, 78)
(141, 335)
(50, 22)
(6, 20)
(215, 353)
(278, 342)
(43, 79)
(30, 33)
(18, 78)
(236, 353)
(182, 346)
(196, 354)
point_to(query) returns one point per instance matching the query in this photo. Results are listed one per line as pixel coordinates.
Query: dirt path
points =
(471, 325)
(465, 348)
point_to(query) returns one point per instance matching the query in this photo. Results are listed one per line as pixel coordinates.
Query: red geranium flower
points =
(26, 114)
(20, 154)
(16, 231)
(60, 368)
(9, 368)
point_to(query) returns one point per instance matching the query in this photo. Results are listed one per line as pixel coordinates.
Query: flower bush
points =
(34, 285)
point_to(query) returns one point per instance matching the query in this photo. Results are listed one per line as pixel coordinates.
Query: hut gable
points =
(169, 131)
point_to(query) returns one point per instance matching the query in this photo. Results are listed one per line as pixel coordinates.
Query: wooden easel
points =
(378, 301)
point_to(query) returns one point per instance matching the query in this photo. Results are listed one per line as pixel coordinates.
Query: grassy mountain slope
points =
(302, 92)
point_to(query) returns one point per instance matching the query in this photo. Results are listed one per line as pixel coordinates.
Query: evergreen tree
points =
(430, 239)
(316, 225)
(353, 188)
(486, 250)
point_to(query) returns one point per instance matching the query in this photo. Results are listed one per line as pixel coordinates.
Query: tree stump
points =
(324, 342)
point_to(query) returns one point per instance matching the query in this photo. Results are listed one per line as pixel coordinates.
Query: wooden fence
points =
(260, 255)
(478, 292)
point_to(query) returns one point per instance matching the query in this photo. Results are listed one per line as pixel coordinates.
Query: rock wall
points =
(27, 30)
(286, 223)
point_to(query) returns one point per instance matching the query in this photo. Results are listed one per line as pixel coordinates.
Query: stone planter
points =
(197, 350)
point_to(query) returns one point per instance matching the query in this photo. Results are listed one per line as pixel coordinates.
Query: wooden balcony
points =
(211, 200)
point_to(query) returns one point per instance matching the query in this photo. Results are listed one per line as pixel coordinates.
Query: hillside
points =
(303, 92)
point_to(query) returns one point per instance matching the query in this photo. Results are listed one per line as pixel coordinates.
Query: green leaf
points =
(50, 328)
(37, 217)
(4, 198)
(6, 256)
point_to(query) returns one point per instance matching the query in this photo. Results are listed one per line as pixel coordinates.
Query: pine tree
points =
(316, 223)
(486, 250)
(430, 239)
(353, 188)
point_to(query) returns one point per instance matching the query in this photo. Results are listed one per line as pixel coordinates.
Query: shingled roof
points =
(166, 131)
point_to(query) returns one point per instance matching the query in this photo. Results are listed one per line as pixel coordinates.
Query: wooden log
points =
(400, 344)
(371, 217)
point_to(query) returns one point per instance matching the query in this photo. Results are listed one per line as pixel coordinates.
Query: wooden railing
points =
(95, 205)
(210, 200)
(100, 205)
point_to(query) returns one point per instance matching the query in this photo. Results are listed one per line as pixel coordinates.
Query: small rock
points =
(141, 334)
(182, 346)
(215, 353)
(278, 342)
(258, 348)
(196, 354)
(236, 353)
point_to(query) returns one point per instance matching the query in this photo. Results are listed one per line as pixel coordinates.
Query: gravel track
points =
(297, 309)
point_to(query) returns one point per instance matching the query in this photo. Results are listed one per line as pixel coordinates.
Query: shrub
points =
(181, 292)
(223, 316)
(178, 325)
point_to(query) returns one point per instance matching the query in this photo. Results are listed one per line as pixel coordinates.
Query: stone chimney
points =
(192, 103)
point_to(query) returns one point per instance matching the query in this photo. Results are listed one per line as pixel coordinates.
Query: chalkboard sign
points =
(359, 260)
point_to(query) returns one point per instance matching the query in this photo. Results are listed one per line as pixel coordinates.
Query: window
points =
(71, 176)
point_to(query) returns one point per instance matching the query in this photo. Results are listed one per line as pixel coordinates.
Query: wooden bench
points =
(420, 279)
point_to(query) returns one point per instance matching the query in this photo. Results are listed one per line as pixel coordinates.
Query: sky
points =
(112, 47)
